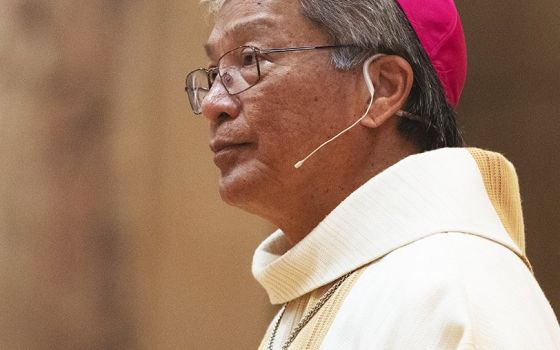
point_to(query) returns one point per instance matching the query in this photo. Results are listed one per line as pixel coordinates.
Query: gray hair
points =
(380, 26)
(214, 5)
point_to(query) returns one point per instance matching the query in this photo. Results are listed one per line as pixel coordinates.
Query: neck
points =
(299, 212)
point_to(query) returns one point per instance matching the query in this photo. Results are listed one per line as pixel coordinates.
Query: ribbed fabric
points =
(436, 257)
(502, 186)
(419, 196)
(312, 335)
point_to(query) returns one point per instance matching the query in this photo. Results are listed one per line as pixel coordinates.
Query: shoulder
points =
(448, 263)
(450, 290)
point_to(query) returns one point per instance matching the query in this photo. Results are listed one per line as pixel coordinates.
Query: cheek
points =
(294, 114)
(286, 106)
(288, 123)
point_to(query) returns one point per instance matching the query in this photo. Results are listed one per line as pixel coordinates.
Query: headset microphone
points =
(372, 93)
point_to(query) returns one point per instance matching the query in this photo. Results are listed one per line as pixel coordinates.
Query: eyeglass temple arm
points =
(301, 48)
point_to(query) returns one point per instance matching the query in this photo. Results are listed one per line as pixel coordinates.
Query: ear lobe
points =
(369, 120)
(392, 77)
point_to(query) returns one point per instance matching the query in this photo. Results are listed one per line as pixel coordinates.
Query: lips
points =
(227, 153)
(218, 146)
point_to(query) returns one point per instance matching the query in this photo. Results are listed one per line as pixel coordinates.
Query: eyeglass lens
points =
(197, 87)
(238, 70)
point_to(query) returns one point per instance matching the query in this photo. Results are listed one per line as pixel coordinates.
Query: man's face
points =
(300, 102)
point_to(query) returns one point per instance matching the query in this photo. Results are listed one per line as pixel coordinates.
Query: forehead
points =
(261, 23)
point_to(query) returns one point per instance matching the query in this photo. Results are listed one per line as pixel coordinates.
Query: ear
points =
(392, 77)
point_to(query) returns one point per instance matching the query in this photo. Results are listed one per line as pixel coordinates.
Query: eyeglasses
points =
(238, 69)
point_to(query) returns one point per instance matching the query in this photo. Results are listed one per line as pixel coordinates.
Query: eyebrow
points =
(252, 27)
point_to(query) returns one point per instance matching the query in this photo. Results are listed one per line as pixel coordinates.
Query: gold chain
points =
(308, 316)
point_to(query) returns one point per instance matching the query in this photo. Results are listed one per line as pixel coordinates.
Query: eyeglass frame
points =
(258, 53)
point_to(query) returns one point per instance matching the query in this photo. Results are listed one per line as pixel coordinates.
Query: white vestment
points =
(437, 245)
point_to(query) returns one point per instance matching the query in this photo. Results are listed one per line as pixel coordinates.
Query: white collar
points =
(424, 194)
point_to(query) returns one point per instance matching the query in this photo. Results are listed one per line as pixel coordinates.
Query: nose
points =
(218, 102)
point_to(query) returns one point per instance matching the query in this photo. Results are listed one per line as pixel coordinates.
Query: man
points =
(334, 120)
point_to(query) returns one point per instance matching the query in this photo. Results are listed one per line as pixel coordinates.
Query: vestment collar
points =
(424, 194)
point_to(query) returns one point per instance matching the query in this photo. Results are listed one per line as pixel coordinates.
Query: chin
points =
(229, 196)
(243, 189)
(235, 190)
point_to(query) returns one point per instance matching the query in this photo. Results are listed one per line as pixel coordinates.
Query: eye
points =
(248, 57)
(227, 79)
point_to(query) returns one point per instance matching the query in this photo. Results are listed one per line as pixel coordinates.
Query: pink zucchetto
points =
(438, 27)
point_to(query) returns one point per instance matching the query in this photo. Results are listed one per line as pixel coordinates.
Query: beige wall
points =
(511, 104)
(112, 234)
(192, 253)
(59, 276)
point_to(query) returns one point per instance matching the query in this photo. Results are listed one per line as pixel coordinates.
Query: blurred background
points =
(112, 234)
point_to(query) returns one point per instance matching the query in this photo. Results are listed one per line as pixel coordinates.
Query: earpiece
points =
(371, 90)
(367, 78)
